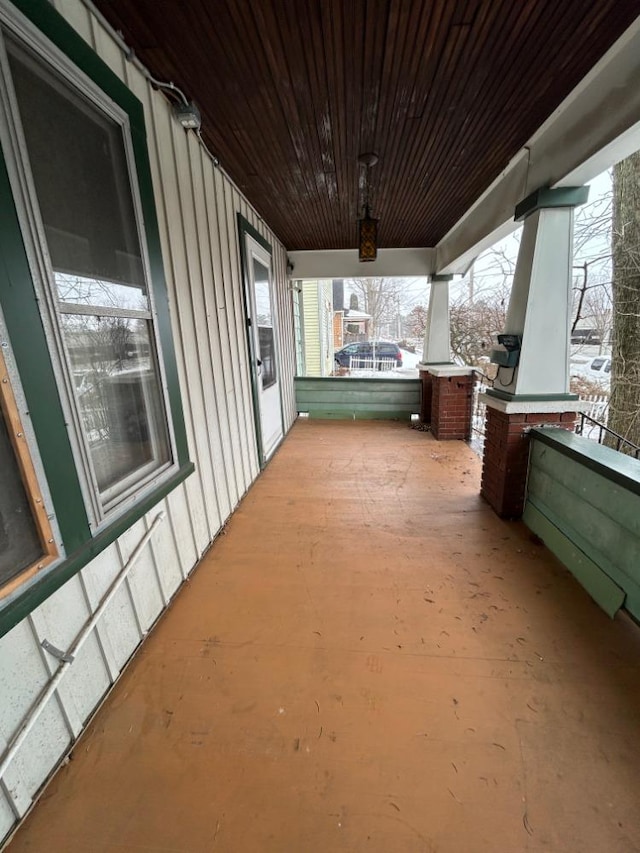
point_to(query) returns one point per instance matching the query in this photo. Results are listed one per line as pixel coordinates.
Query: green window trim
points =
(26, 601)
(31, 350)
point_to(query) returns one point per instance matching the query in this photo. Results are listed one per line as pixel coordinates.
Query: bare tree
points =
(474, 325)
(380, 298)
(416, 321)
(624, 411)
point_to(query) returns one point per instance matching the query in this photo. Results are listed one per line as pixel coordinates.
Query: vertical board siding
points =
(196, 207)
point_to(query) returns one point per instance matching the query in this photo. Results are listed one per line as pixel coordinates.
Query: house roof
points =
(351, 314)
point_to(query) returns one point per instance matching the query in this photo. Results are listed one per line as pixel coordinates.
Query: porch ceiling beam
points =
(597, 125)
(344, 263)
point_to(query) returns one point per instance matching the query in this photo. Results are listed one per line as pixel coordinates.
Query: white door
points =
(263, 331)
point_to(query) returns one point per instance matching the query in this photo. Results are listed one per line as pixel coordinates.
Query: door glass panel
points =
(266, 337)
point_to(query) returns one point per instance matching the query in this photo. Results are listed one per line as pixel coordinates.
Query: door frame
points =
(246, 229)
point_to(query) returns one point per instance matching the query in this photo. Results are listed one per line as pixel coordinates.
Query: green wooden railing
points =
(356, 399)
(584, 502)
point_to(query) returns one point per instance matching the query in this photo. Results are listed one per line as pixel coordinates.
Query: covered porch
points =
(367, 658)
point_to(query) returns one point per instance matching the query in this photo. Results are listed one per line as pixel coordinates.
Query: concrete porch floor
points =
(367, 660)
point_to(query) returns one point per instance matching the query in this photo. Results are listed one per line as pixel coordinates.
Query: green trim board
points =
(31, 350)
(33, 595)
(330, 397)
(245, 227)
(531, 398)
(615, 466)
(31, 353)
(600, 587)
(545, 197)
(160, 294)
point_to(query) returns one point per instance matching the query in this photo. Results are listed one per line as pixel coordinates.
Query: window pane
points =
(267, 356)
(79, 168)
(265, 324)
(118, 394)
(98, 293)
(19, 541)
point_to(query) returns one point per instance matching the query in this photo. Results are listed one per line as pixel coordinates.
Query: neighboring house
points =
(317, 311)
(349, 324)
(356, 325)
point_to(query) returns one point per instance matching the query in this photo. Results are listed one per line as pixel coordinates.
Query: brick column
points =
(505, 460)
(451, 403)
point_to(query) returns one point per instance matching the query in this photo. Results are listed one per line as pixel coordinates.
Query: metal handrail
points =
(604, 430)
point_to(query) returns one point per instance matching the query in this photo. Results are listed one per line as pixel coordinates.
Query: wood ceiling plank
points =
(445, 91)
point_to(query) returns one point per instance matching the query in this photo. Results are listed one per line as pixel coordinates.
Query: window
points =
(266, 340)
(84, 326)
(75, 154)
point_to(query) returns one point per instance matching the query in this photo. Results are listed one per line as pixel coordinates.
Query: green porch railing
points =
(357, 399)
(583, 501)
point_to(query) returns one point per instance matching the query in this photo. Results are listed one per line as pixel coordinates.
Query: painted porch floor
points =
(367, 660)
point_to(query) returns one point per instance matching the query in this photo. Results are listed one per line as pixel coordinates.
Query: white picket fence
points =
(370, 366)
(598, 408)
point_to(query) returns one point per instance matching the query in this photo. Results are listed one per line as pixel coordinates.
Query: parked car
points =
(384, 351)
(601, 364)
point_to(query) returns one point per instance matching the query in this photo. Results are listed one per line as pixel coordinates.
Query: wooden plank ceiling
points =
(444, 91)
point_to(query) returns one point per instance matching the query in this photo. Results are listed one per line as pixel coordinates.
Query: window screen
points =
(79, 167)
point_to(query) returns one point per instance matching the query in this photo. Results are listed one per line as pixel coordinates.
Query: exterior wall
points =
(317, 308)
(311, 327)
(197, 207)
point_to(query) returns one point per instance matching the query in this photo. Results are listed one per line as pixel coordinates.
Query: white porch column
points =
(536, 392)
(541, 298)
(437, 334)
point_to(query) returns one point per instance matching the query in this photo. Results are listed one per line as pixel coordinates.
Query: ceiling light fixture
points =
(367, 226)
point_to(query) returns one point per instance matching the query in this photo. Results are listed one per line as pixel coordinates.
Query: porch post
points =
(437, 334)
(447, 388)
(536, 390)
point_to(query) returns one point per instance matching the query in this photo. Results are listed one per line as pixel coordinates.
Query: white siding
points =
(197, 207)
